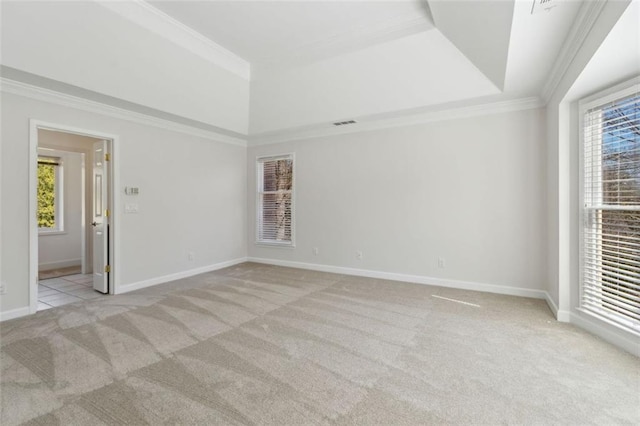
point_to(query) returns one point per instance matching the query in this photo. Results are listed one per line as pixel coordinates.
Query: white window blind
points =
(275, 200)
(611, 234)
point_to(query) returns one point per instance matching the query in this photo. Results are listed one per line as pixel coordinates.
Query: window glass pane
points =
(278, 175)
(276, 217)
(619, 264)
(46, 195)
(275, 200)
(621, 152)
(611, 234)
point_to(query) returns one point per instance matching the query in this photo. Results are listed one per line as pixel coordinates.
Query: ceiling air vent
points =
(342, 123)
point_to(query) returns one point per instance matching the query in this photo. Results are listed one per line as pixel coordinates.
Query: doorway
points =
(72, 228)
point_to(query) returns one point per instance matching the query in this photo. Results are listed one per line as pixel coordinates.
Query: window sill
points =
(622, 325)
(52, 232)
(276, 245)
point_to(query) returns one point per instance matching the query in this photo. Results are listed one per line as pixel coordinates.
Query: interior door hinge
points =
(107, 157)
(106, 213)
(107, 268)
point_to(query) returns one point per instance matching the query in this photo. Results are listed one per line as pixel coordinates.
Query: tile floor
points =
(64, 290)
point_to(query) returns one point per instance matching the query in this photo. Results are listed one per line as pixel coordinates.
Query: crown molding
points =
(146, 16)
(363, 124)
(367, 124)
(38, 93)
(587, 16)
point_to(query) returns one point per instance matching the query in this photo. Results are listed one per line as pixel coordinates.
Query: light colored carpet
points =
(256, 344)
(60, 272)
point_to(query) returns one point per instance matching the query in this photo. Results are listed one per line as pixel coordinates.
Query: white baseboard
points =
(46, 266)
(14, 313)
(417, 279)
(179, 275)
(560, 315)
(20, 312)
(592, 326)
(628, 344)
(552, 305)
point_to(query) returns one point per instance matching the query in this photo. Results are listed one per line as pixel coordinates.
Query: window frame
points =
(59, 203)
(259, 205)
(595, 100)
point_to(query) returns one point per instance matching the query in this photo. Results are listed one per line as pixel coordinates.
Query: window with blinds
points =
(610, 286)
(275, 200)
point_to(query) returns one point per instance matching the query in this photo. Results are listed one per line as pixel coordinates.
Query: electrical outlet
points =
(316, 251)
(441, 262)
(191, 255)
(359, 255)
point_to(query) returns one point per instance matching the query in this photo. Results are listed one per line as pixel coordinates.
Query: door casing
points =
(34, 126)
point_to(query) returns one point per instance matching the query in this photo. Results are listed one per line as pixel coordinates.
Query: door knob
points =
(94, 224)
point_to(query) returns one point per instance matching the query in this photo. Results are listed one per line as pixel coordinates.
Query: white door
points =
(100, 222)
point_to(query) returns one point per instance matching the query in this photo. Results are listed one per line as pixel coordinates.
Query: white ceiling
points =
(480, 30)
(268, 31)
(509, 44)
(257, 67)
(535, 43)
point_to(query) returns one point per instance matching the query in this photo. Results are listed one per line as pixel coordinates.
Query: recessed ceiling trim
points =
(385, 31)
(587, 16)
(158, 22)
(359, 38)
(351, 41)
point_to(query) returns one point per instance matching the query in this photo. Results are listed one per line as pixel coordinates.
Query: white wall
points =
(192, 196)
(63, 249)
(388, 77)
(469, 190)
(87, 45)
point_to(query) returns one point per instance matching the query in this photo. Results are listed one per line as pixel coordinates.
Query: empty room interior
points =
(320, 212)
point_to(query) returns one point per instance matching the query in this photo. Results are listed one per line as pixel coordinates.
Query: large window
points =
(275, 200)
(610, 287)
(50, 194)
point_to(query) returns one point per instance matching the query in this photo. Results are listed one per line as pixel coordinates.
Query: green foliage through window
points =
(46, 193)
